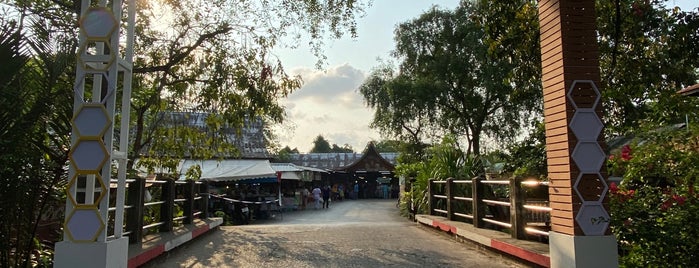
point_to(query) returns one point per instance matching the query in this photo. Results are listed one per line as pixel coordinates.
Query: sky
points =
(329, 103)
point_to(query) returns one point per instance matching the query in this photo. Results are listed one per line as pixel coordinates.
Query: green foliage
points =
(647, 53)
(528, 157)
(442, 161)
(344, 149)
(460, 74)
(387, 146)
(320, 145)
(655, 205)
(35, 109)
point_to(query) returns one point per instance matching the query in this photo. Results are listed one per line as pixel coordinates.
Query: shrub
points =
(655, 209)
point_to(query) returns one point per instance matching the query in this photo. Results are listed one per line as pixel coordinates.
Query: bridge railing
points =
(476, 201)
(160, 207)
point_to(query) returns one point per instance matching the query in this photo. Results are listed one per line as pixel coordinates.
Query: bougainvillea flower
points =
(626, 152)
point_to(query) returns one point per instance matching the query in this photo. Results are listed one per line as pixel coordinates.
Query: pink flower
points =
(626, 152)
(613, 188)
(679, 199)
(666, 205)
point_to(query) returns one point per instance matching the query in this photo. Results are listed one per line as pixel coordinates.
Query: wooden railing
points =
(475, 201)
(189, 196)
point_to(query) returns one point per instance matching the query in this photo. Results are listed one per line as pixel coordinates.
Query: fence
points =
(475, 200)
(171, 202)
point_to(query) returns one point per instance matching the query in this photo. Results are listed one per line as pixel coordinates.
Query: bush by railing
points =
(473, 201)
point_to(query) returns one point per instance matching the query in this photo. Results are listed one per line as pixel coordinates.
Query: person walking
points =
(304, 197)
(326, 196)
(316, 196)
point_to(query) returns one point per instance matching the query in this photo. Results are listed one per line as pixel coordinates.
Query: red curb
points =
(443, 226)
(146, 256)
(200, 231)
(521, 253)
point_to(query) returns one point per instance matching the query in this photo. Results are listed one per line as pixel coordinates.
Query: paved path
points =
(366, 233)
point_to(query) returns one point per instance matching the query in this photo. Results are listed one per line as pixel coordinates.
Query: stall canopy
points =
(231, 170)
(290, 171)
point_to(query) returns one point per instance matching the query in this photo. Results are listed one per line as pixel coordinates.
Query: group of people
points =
(320, 197)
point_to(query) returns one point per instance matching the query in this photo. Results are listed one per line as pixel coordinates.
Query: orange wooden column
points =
(574, 135)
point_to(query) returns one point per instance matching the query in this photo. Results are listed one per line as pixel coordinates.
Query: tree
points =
(344, 149)
(35, 108)
(647, 53)
(320, 145)
(387, 146)
(457, 73)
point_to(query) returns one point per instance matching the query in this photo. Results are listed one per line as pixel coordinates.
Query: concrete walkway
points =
(362, 233)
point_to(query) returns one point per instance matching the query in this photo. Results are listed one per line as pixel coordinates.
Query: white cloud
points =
(337, 84)
(328, 104)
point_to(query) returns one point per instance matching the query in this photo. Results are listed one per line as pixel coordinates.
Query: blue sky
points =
(329, 103)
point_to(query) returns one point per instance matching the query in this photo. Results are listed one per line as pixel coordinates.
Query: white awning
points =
(230, 169)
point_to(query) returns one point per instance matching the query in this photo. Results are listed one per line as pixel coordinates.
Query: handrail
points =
(153, 203)
(503, 224)
(494, 202)
(463, 198)
(536, 231)
(502, 182)
(537, 208)
(153, 225)
(445, 200)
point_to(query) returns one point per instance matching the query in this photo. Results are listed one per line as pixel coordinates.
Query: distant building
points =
(368, 170)
(250, 140)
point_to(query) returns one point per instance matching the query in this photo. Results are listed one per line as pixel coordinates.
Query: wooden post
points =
(517, 212)
(430, 196)
(167, 208)
(575, 146)
(134, 215)
(204, 204)
(188, 206)
(477, 204)
(450, 198)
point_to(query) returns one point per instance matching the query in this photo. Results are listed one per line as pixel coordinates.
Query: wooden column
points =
(134, 215)
(449, 192)
(575, 146)
(477, 202)
(572, 108)
(517, 212)
(167, 209)
(188, 206)
(430, 196)
(204, 204)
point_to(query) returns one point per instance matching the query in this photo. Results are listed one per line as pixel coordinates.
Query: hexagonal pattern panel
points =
(584, 94)
(590, 187)
(586, 125)
(84, 225)
(88, 155)
(592, 218)
(80, 181)
(91, 120)
(588, 156)
(98, 22)
(95, 62)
